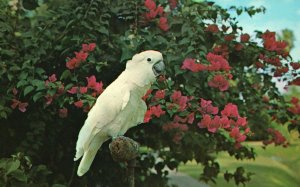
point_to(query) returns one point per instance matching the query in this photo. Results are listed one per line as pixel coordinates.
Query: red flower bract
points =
(160, 94)
(180, 100)
(189, 63)
(230, 110)
(63, 113)
(150, 4)
(79, 104)
(163, 24)
(217, 62)
(218, 81)
(245, 37)
(207, 108)
(212, 28)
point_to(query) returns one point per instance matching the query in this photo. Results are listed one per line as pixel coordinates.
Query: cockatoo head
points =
(146, 66)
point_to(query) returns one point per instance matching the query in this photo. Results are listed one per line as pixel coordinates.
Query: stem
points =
(131, 165)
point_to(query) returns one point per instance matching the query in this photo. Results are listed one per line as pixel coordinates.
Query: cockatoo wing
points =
(108, 105)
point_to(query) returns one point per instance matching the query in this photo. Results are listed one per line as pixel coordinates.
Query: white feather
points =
(117, 109)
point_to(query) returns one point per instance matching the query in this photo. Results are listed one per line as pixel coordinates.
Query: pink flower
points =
(190, 64)
(205, 122)
(157, 111)
(49, 99)
(15, 103)
(93, 84)
(147, 94)
(238, 47)
(241, 121)
(173, 4)
(91, 81)
(225, 122)
(295, 65)
(88, 47)
(235, 133)
(229, 37)
(180, 100)
(83, 90)
(92, 46)
(207, 107)
(63, 113)
(163, 24)
(160, 94)
(14, 91)
(73, 63)
(52, 78)
(294, 100)
(147, 117)
(78, 104)
(212, 125)
(150, 4)
(218, 81)
(73, 90)
(245, 37)
(230, 110)
(212, 28)
(191, 118)
(81, 55)
(21, 106)
(218, 62)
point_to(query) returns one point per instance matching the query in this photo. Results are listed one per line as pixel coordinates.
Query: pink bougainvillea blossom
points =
(212, 28)
(190, 64)
(245, 37)
(78, 104)
(63, 112)
(163, 24)
(230, 110)
(219, 81)
(179, 99)
(217, 63)
(22, 106)
(206, 107)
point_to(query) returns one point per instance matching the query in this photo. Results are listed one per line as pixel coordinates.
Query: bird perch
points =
(124, 149)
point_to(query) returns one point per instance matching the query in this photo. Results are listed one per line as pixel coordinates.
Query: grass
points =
(273, 167)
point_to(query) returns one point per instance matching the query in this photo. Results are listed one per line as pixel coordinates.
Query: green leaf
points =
(19, 175)
(28, 89)
(65, 75)
(12, 165)
(22, 83)
(37, 96)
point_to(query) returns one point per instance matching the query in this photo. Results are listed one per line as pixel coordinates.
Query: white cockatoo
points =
(119, 107)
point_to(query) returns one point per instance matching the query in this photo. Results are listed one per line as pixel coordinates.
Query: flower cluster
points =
(52, 84)
(217, 63)
(156, 11)
(92, 88)
(183, 113)
(80, 56)
(295, 108)
(92, 84)
(229, 120)
(271, 44)
(153, 111)
(21, 105)
(275, 137)
(213, 28)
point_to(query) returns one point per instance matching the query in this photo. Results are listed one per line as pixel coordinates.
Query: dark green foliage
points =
(36, 41)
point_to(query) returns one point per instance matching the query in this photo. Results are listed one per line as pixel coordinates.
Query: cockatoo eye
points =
(149, 59)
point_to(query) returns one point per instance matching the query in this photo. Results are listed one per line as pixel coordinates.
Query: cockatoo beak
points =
(158, 68)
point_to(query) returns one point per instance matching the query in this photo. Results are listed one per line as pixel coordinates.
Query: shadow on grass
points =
(273, 167)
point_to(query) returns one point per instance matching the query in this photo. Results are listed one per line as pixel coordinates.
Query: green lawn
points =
(273, 167)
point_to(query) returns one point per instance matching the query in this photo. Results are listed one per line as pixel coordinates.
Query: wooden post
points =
(124, 149)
